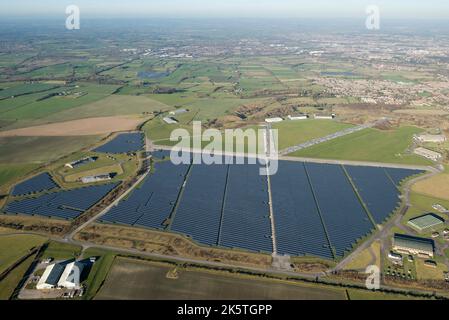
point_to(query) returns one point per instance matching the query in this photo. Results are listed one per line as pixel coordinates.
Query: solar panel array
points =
(377, 190)
(399, 175)
(152, 203)
(124, 143)
(39, 183)
(246, 222)
(316, 208)
(200, 209)
(344, 217)
(299, 230)
(63, 204)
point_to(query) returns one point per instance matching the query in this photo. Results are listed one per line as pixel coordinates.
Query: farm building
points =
(170, 120)
(435, 138)
(426, 222)
(178, 111)
(70, 278)
(429, 154)
(327, 117)
(298, 117)
(413, 245)
(80, 162)
(97, 178)
(51, 276)
(273, 120)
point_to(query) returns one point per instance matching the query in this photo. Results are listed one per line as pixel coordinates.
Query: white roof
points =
(43, 280)
(71, 276)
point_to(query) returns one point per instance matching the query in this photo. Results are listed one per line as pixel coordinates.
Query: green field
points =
(12, 172)
(369, 145)
(10, 283)
(14, 247)
(134, 279)
(296, 132)
(99, 271)
(61, 251)
(41, 149)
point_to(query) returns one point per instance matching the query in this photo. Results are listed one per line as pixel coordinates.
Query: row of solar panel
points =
(63, 204)
(124, 143)
(315, 206)
(36, 184)
(151, 204)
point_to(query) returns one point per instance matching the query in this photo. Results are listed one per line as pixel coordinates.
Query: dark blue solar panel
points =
(123, 143)
(152, 203)
(161, 154)
(246, 222)
(36, 184)
(344, 217)
(378, 192)
(299, 230)
(399, 175)
(199, 212)
(64, 204)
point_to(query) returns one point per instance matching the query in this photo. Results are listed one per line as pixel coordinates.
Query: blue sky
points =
(406, 9)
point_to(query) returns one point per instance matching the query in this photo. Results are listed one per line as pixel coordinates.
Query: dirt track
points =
(82, 127)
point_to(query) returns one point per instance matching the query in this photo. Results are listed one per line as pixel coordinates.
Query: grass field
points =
(11, 172)
(14, 247)
(11, 281)
(365, 258)
(99, 271)
(369, 145)
(436, 186)
(133, 279)
(61, 251)
(296, 132)
(430, 273)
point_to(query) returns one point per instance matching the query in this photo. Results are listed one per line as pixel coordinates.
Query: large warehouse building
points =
(426, 222)
(413, 245)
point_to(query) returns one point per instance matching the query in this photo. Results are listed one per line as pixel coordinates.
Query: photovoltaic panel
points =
(299, 230)
(124, 143)
(63, 204)
(199, 212)
(246, 222)
(399, 175)
(39, 183)
(344, 217)
(376, 189)
(151, 204)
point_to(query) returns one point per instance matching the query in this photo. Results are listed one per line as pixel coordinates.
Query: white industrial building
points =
(70, 278)
(50, 277)
(429, 154)
(435, 138)
(178, 111)
(300, 117)
(330, 117)
(170, 120)
(273, 120)
(97, 178)
(60, 275)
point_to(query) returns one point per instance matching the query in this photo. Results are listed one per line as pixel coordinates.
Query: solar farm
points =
(319, 210)
(60, 204)
(123, 143)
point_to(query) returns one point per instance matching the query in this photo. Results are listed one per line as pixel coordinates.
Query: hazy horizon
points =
(354, 9)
